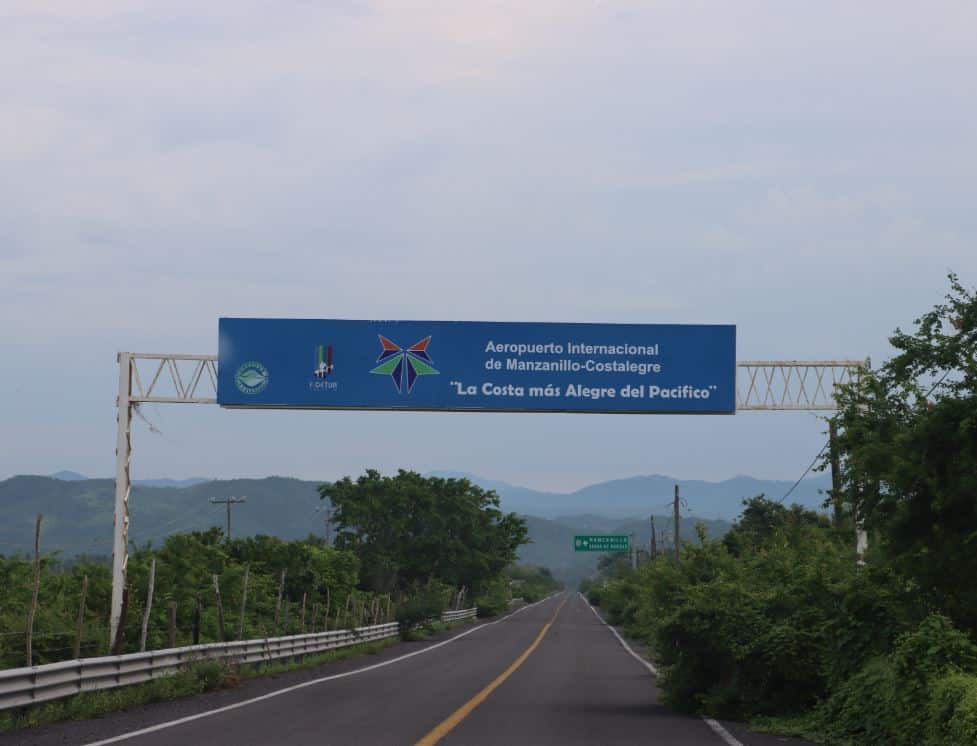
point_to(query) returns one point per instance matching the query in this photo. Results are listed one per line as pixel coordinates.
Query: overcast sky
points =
(804, 170)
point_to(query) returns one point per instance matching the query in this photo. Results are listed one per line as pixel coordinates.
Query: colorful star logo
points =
(404, 366)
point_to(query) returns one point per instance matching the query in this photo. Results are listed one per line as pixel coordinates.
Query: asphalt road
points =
(552, 673)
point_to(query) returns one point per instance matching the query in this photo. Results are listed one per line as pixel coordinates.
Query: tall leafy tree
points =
(409, 529)
(909, 442)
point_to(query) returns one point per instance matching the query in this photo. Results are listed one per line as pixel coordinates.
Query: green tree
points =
(409, 529)
(908, 437)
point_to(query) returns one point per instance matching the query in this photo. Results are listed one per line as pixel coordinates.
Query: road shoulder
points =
(144, 716)
(736, 733)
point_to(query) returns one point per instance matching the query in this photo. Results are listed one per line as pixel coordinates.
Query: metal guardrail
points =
(459, 615)
(34, 684)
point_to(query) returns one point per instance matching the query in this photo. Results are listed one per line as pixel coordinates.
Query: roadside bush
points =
(530, 582)
(620, 598)
(494, 599)
(953, 710)
(745, 633)
(422, 608)
(595, 594)
(896, 699)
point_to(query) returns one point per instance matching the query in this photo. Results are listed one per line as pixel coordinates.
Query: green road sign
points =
(602, 543)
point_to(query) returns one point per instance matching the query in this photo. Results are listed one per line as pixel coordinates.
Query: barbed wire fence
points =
(66, 622)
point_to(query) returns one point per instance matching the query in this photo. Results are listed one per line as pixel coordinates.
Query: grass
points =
(195, 679)
(803, 726)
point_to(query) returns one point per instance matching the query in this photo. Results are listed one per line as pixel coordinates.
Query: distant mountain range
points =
(639, 496)
(74, 476)
(78, 512)
(618, 498)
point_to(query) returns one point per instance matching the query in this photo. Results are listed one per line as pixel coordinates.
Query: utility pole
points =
(229, 501)
(677, 518)
(634, 553)
(654, 540)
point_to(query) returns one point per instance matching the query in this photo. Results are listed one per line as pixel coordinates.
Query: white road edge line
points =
(724, 734)
(286, 690)
(719, 730)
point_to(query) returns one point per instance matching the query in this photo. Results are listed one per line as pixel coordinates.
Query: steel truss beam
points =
(787, 385)
(769, 385)
(793, 385)
(173, 379)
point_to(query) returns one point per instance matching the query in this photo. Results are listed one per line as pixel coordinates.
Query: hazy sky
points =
(804, 170)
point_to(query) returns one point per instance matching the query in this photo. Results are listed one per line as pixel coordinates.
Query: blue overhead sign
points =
(475, 365)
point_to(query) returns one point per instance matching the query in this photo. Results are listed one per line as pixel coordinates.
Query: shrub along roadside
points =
(919, 694)
(778, 627)
(528, 582)
(417, 616)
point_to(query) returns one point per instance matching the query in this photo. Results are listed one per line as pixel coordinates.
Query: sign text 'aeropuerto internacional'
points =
(475, 365)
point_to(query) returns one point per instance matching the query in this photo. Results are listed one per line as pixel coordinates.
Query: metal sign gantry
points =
(159, 378)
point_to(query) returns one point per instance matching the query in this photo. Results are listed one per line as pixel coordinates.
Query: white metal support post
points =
(123, 455)
(173, 379)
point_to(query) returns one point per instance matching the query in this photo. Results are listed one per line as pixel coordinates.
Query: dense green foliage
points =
(531, 583)
(519, 582)
(408, 530)
(423, 608)
(185, 568)
(909, 442)
(776, 622)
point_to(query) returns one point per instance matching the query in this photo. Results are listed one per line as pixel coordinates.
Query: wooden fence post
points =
(220, 609)
(302, 622)
(81, 618)
(196, 621)
(325, 620)
(278, 604)
(149, 607)
(172, 624)
(32, 612)
(315, 615)
(244, 601)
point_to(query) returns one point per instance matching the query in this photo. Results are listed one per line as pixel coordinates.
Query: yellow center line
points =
(451, 722)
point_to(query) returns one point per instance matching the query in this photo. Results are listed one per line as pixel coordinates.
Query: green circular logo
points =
(251, 378)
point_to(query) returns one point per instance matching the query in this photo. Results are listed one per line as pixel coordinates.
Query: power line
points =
(933, 387)
(184, 525)
(828, 443)
(806, 471)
